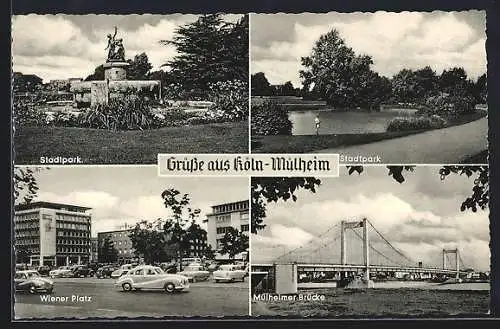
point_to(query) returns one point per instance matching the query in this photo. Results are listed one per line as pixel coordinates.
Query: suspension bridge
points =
(367, 255)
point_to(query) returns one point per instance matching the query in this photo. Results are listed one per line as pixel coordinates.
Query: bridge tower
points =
(457, 259)
(366, 243)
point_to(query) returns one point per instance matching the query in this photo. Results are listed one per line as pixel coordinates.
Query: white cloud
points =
(421, 235)
(394, 40)
(53, 47)
(91, 199)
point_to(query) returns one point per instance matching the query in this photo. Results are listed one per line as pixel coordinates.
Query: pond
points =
(333, 122)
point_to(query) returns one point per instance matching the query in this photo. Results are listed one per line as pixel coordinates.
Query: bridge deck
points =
(347, 267)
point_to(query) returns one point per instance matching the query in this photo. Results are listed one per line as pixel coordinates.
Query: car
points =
(229, 273)
(31, 281)
(195, 272)
(152, 277)
(61, 272)
(43, 270)
(104, 272)
(82, 271)
(122, 270)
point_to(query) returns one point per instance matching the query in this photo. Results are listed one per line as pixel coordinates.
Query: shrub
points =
(230, 97)
(270, 118)
(450, 105)
(416, 123)
(26, 114)
(65, 119)
(128, 113)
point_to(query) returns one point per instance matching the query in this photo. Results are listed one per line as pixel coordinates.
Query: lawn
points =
(96, 146)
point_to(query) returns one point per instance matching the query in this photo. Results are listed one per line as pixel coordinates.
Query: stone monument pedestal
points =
(114, 71)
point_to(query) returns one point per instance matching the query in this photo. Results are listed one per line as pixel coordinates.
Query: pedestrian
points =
(317, 122)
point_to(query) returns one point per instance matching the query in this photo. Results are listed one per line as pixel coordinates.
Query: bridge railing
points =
(319, 266)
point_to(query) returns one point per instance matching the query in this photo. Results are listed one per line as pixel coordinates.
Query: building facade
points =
(53, 234)
(121, 242)
(197, 246)
(94, 247)
(224, 216)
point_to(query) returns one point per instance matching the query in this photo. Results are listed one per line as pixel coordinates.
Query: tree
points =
(480, 90)
(260, 85)
(209, 253)
(272, 189)
(26, 82)
(172, 237)
(107, 252)
(97, 75)
(426, 83)
(139, 67)
(22, 254)
(233, 242)
(453, 81)
(25, 184)
(285, 89)
(209, 50)
(404, 86)
(175, 227)
(336, 74)
(150, 241)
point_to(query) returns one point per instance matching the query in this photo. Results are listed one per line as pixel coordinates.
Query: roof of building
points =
(116, 231)
(49, 205)
(230, 203)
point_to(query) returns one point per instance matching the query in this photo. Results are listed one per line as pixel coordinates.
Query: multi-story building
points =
(224, 216)
(121, 241)
(53, 233)
(94, 247)
(197, 246)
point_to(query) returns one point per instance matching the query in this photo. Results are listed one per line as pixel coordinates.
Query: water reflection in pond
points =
(333, 122)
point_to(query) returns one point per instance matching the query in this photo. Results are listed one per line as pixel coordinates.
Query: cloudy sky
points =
(394, 40)
(126, 195)
(419, 217)
(65, 46)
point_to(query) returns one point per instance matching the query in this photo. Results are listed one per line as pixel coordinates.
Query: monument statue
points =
(116, 51)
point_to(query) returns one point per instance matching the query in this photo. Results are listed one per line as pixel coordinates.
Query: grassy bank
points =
(96, 146)
(377, 303)
(311, 143)
(479, 158)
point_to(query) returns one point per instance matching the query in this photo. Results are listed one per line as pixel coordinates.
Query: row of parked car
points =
(134, 277)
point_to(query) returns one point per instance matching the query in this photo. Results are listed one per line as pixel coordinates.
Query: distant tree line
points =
(335, 73)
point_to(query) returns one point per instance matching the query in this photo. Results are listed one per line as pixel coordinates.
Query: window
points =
(139, 272)
(151, 271)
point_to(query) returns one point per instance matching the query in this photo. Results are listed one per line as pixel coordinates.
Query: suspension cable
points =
(373, 248)
(310, 242)
(386, 241)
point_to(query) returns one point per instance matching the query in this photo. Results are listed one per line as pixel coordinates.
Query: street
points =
(448, 145)
(100, 298)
